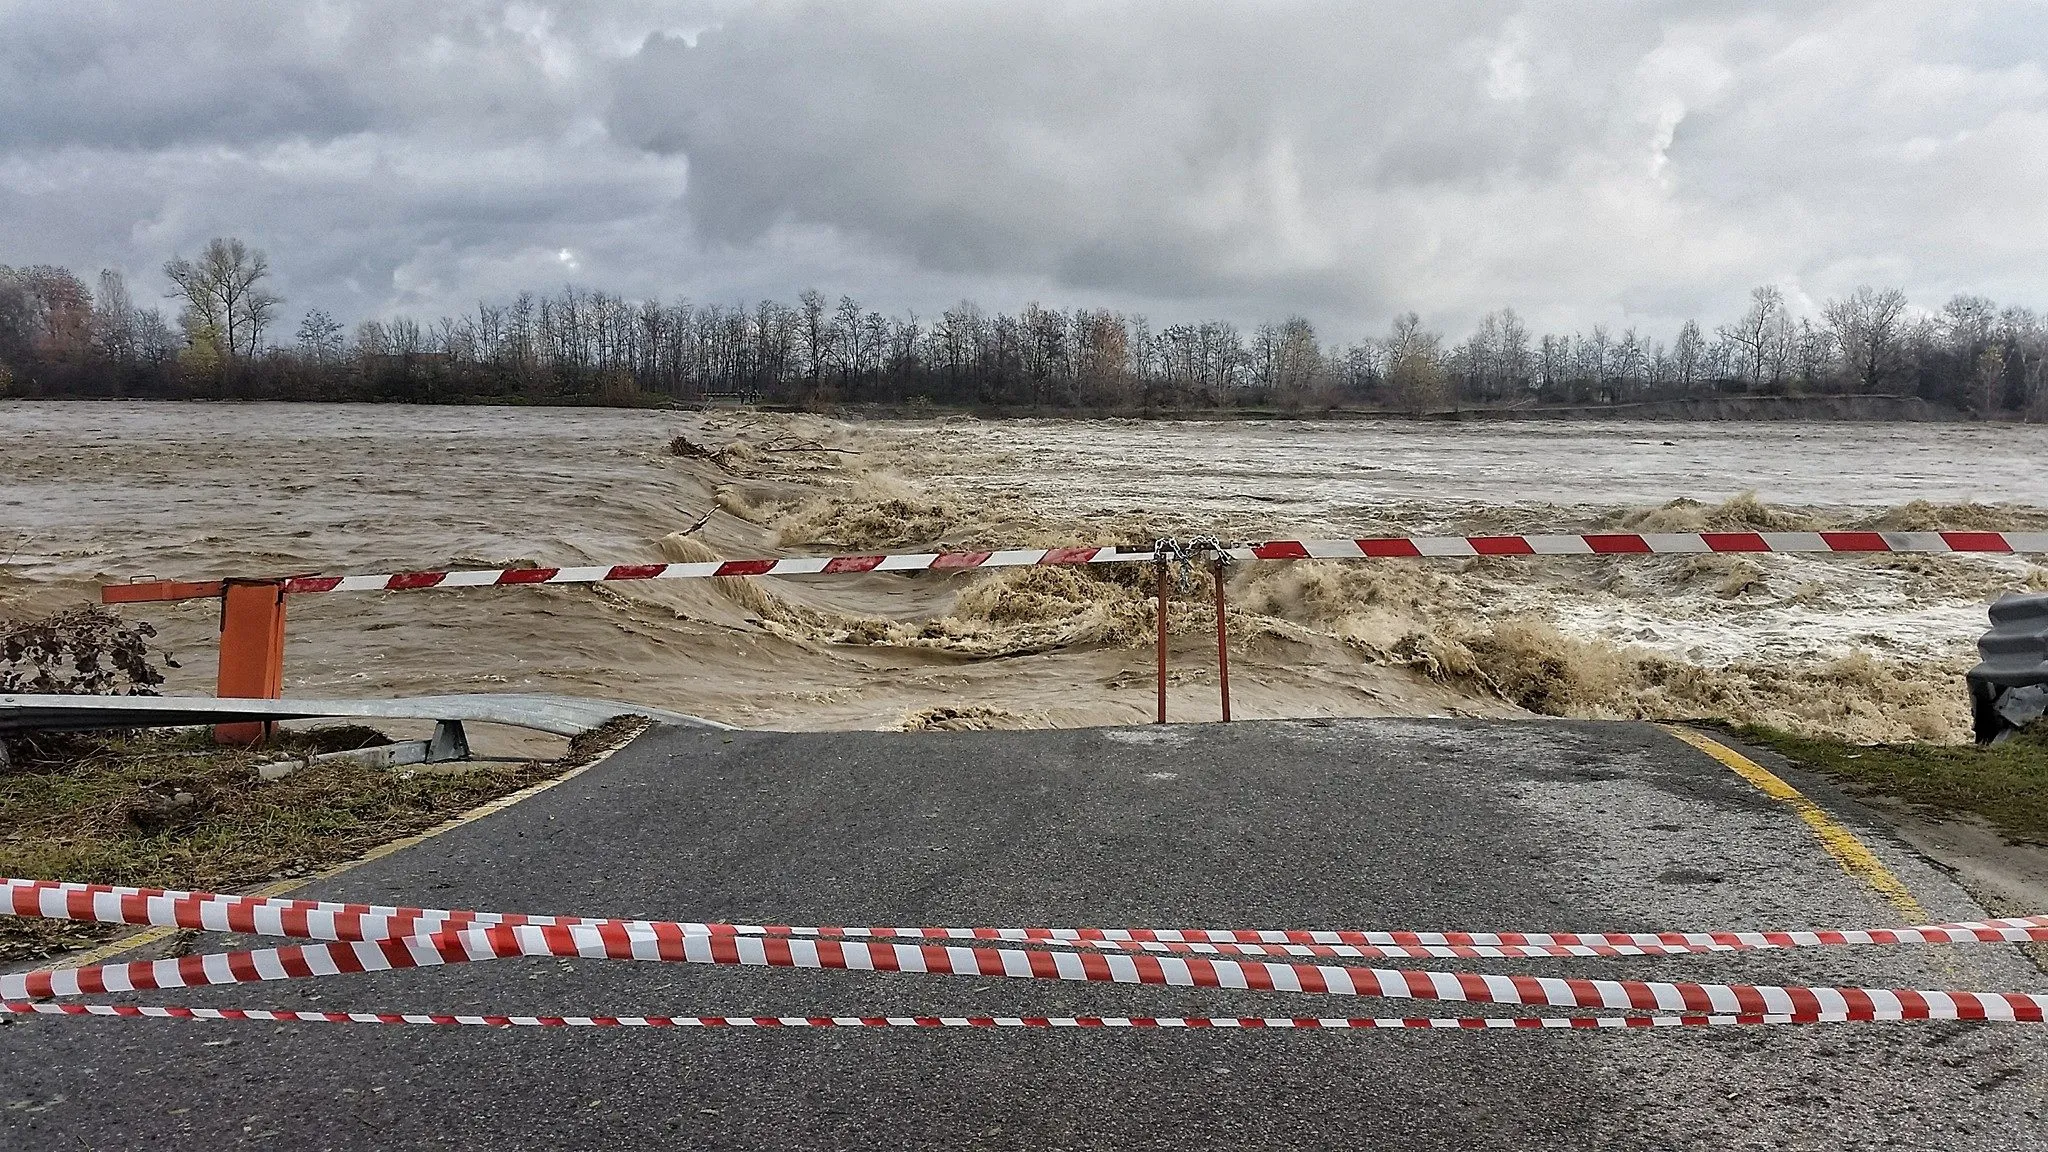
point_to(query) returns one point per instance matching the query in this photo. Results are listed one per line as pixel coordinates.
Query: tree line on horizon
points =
(61, 338)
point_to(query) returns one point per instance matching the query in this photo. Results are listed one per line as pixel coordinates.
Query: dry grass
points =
(171, 810)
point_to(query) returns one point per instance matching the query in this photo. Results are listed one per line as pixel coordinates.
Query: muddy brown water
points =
(98, 492)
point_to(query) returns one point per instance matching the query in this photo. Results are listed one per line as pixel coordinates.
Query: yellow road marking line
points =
(152, 935)
(1852, 854)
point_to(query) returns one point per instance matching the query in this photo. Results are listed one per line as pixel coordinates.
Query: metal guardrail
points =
(557, 715)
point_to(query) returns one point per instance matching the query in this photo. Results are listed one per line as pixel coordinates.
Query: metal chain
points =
(1185, 555)
(1211, 548)
(1182, 557)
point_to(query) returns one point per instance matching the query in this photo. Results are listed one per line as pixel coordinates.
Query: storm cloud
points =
(1585, 162)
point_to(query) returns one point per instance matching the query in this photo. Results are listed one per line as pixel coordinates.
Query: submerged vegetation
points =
(86, 651)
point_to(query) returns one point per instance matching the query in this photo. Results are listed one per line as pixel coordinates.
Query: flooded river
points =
(93, 492)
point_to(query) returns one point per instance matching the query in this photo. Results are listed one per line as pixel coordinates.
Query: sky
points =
(1620, 163)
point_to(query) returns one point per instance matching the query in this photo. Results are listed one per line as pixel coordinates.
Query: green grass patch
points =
(172, 810)
(2006, 784)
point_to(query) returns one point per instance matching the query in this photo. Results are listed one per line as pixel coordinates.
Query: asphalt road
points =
(1367, 823)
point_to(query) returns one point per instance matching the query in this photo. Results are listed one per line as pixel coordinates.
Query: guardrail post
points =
(1222, 644)
(251, 652)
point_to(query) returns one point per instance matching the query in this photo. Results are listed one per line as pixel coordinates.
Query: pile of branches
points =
(84, 652)
(689, 449)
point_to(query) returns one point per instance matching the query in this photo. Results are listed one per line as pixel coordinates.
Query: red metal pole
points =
(1222, 645)
(1163, 566)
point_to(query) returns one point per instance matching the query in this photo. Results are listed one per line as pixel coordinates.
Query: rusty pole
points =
(1222, 644)
(1164, 567)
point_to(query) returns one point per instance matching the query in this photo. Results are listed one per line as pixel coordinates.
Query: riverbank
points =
(1874, 408)
(1831, 409)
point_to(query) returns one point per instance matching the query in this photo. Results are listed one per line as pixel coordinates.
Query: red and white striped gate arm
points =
(1381, 547)
(1644, 543)
(780, 566)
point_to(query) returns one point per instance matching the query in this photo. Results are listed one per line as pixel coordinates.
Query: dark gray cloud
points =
(1588, 162)
(1160, 148)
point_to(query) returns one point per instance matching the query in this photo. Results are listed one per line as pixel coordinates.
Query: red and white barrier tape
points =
(1593, 544)
(1240, 1023)
(328, 920)
(683, 943)
(587, 942)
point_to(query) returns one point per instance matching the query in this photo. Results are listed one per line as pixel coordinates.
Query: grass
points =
(172, 810)
(2006, 784)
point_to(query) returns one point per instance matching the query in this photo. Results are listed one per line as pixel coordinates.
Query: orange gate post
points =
(251, 652)
(251, 638)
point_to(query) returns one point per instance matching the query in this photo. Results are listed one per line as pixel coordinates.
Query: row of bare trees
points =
(58, 337)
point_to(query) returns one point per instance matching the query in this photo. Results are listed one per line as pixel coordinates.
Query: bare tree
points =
(1363, 370)
(1813, 354)
(2026, 353)
(775, 329)
(1689, 356)
(16, 321)
(1969, 322)
(1494, 361)
(1298, 360)
(1990, 381)
(1592, 364)
(114, 319)
(1415, 370)
(226, 306)
(407, 341)
(1475, 359)
(1513, 349)
(320, 337)
(1750, 339)
(874, 344)
(1553, 363)
(906, 343)
(846, 331)
(1866, 327)
(1631, 359)
(814, 333)
(57, 312)
(371, 339)
(57, 338)
(155, 343)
